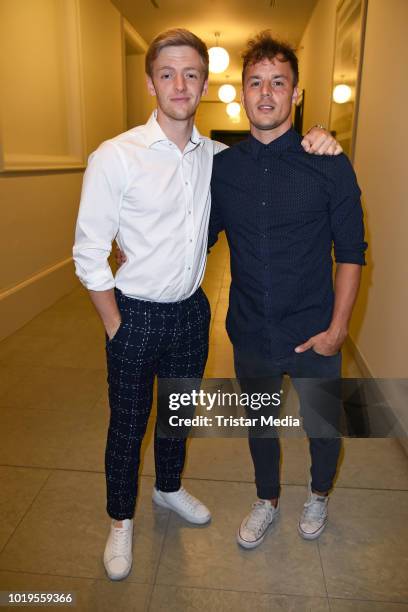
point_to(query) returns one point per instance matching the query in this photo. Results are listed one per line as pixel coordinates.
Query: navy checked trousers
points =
(169, 340)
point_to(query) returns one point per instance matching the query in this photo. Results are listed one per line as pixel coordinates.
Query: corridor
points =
(53, 526)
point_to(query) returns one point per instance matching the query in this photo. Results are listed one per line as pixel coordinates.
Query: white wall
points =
(381, 327)
(140, 103)
(39, 208)
(380, 323)
(316, 62)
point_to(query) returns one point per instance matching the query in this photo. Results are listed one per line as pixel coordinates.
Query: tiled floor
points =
(53, 418)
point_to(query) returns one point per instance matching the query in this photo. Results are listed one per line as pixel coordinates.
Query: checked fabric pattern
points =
(168, 340)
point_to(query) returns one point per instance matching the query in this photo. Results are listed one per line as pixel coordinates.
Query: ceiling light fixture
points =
(227, 93)
(342, 93)
(233, 109)
(219, 57)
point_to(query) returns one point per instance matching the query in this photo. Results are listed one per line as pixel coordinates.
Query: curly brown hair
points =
(264, 46)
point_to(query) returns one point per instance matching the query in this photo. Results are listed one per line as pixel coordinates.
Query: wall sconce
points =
(219, 57)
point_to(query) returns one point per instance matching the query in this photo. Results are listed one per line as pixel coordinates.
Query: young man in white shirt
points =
(149, 189)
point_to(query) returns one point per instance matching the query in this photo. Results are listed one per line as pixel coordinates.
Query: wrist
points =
(337, 333)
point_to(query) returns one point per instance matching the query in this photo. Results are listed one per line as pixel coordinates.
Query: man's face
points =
(178, 81)
(268, 94)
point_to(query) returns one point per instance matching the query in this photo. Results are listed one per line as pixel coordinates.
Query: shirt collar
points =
(290, 140)
(154, 133)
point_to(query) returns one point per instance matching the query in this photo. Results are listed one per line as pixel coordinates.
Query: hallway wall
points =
(380, 326)
(39, 208)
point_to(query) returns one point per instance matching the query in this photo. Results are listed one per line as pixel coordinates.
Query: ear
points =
(150, 85)
(205, 88)
(295, 94)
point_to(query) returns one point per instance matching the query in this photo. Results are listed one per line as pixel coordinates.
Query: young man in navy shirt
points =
(282, 211)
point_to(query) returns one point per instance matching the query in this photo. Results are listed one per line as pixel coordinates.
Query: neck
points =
(178, 132)
(267, 136)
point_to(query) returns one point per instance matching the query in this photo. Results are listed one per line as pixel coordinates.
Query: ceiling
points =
(236, 20)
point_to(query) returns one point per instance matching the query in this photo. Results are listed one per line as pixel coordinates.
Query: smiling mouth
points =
(266, 107)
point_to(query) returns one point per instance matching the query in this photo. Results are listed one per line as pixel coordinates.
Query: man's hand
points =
(120, 257)
(320, 142)
(112, 327)
(326, 343)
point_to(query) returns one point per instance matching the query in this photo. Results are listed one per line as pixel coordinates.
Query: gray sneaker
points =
(255, 525)
(314, 516)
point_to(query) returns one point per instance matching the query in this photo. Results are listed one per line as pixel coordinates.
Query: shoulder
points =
(229, 155)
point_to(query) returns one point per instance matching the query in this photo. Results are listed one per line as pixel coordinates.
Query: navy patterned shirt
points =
(283, 210)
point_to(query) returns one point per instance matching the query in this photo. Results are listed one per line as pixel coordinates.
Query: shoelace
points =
(120, 540)
(187, 499)
(259, 516)
(315, 509)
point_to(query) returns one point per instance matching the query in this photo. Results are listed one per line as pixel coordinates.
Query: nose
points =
(180, 83)
(266, 89)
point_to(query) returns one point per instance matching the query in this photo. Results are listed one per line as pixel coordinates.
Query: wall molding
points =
(22, 302)
(395, 393)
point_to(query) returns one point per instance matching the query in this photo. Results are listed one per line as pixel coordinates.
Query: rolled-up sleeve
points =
(98, 218)
(346, 214)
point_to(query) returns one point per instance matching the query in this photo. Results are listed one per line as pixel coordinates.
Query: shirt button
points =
(186, 183)
(188, 268)
(265, 169)
(263, 203)
(266, 266)
(189, 212)
(191, 240)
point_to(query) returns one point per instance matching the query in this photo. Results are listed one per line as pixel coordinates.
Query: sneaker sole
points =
(312, 536)
(249, 545)
(161, 502)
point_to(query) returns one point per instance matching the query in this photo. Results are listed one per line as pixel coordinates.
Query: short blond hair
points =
(176, 37)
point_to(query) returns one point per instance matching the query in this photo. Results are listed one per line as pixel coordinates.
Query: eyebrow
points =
(275, 76)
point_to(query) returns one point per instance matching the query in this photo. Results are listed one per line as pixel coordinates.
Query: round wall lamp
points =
(342, 93)
(227, 93)
(233, 110)
(219, 57)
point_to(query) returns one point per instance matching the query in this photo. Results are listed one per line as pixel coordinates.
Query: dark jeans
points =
(320, 408)
(169, 340)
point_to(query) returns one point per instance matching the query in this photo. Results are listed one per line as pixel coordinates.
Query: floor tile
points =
(65, 530)
(378, 463)
(19, 487)
(26, 350)
(364, 549)
(91, 595)
(54, 388)
(209, 557)
(52, 439)
(352, 605)
(176, 599)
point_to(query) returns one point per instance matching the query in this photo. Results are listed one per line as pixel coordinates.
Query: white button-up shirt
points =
(141, 190)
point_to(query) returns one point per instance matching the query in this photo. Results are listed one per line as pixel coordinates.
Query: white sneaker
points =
(185, 504)
(117, 557)
(255, 525)
(314, 516)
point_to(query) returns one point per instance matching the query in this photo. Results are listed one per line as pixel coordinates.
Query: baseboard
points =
(21, 303)
(394, 395)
